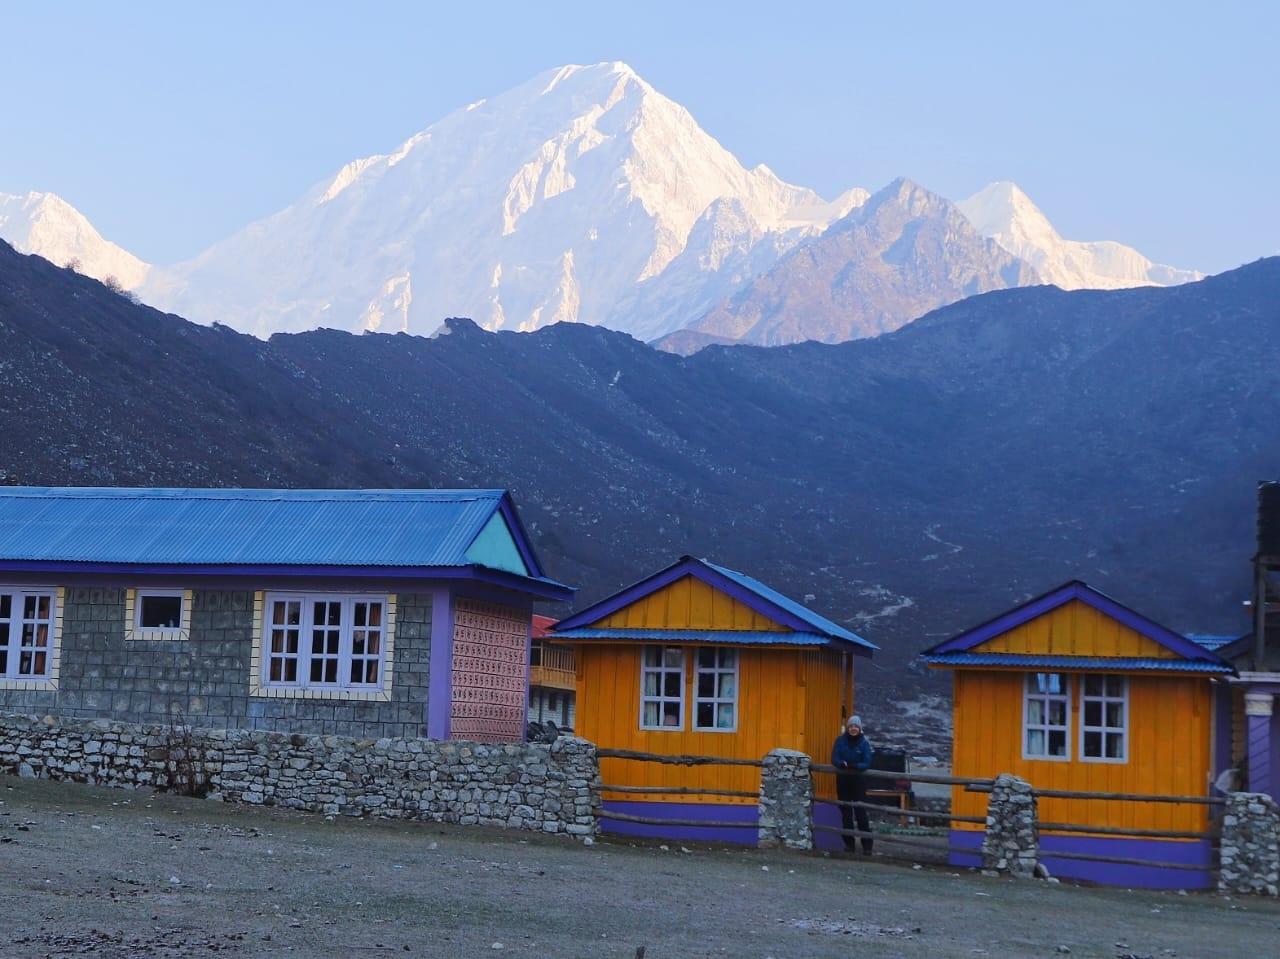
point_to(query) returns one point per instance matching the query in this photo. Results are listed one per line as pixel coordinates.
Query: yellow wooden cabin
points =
(1073, 692)
(699, 660)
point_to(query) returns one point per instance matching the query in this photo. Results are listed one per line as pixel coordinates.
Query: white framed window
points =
(715, 703)
(324, 644)
(662, 688)
(1104, 712)
(1046, 713)
(157, 614)
(30, 636)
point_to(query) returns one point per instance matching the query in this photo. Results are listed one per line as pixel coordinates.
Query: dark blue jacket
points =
(851, 752)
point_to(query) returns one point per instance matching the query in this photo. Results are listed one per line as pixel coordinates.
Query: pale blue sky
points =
(173, 124)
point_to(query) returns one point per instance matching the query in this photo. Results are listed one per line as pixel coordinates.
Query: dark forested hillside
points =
(908, 486)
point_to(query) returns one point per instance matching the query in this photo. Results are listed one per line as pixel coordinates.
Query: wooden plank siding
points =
(688, 603)
(773, 691)
(1169, 749)
(1077, 629)
(788, 696)
(829, 701)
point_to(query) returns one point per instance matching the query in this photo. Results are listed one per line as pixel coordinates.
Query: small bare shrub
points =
(185, 770)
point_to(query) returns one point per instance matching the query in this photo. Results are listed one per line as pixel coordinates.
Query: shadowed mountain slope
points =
(907, 486)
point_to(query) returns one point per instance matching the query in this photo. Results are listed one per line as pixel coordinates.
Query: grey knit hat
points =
(853, 721)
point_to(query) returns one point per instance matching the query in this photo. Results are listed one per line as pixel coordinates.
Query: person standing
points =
(851, 755)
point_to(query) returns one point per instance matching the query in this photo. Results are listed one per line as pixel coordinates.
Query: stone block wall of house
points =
(205, 680)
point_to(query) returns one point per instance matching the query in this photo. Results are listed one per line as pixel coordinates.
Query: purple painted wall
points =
(746, 835)
(1221, 758)
(825, 814)
(1195, 853)
(440, 696)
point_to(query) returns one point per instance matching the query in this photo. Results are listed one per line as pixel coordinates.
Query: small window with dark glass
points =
(716, 700)
(159, 610)
(1046, 711)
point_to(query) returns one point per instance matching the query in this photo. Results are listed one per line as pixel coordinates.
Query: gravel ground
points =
(116, 875)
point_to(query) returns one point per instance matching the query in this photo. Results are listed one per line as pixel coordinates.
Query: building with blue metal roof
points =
(1077, 693)
(355, 612)
(700, 660)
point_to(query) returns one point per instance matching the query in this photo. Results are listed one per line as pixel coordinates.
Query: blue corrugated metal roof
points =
(1071, 591)
(718, 636)
(246, 527)
(1211, 643)
(820, 623)
(769, 602)
(1094, 663)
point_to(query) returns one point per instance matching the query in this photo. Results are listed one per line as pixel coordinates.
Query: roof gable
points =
(494, 546)
(689, 602)
(1073, 624)
(48, 528)
(718, 604)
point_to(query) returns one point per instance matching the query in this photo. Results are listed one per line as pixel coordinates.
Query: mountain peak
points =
(1002, 211)
(49, 226)
(547, 203)
(585, 195)
(604, 72)
(1002, 208)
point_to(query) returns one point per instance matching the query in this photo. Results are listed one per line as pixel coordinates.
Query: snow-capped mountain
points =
(585, 195)
(45, 224)
(915, 252)
(1007, 215)
(550, 202)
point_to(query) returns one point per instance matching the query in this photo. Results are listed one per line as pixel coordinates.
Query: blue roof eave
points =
(752, 593)
(720, 637)
(1073, 590)
(540, 586)
(1077, 663)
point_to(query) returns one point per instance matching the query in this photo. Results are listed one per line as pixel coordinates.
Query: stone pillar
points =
(1257, 712)
(786, 800)
(1250, 850)
(1011, 843)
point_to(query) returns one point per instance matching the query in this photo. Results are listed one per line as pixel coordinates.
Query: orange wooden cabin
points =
(1074, 692)
(699, 660)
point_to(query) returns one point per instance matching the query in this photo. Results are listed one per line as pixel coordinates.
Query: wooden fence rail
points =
(984, 785)
(938, 843)
(676, 760)
(682, 791)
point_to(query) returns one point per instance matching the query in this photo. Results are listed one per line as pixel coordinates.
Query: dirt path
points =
(118, 875)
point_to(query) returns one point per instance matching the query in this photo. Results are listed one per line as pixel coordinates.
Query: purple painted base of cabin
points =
(827, 815)
(746, 835)
(1197, 853)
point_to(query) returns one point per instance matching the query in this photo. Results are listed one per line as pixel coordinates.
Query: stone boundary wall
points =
(552, 788)
(1250, 848)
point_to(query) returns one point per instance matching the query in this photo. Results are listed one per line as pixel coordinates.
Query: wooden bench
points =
(902, 798)
(892, 791)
